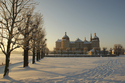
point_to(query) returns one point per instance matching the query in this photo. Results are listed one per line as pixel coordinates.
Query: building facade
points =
(78, 44)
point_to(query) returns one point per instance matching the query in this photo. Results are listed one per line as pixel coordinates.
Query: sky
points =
(80, 18)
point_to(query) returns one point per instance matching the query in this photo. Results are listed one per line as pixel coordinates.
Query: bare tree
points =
(33, 43)
(40, 34)
(117, 48)
(26, 29)
(10, 17)
(122, 51)
(110, 51)
(47, 51)
(38, 45)
(43, 48)
(37, 35)
(104, 50)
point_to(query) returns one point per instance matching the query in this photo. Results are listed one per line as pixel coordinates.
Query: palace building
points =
(78, 44)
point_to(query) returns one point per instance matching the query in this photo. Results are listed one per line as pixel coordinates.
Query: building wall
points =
(88, 46)
(95, 44)
(78, 45)
(58, 45)
(72, 45)
(64, 44)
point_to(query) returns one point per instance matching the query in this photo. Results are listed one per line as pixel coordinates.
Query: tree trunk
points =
(25, 57)
(41, 55)
(44, 54)
(38, 55)
(37, 58)
(6, 70)
(33, 60)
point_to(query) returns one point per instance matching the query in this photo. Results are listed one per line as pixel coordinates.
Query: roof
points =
(72, 41)
(59, 40)
(93, 50)
(86, 42)
(78, 40)
(65, 36)
(95, 35)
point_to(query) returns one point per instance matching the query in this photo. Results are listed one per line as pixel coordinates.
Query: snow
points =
(59, 40)
(92, 50)
(65, 36)
(68, 70)
(95, 37)
(78, 40)
(86, 42)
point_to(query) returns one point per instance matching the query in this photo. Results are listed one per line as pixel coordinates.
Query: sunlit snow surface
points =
(67, 70)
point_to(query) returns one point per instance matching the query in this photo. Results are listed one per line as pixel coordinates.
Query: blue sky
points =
(79, 18)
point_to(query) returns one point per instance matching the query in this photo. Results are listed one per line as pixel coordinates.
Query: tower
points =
(95, 41)
(65, 42)
(90, 37)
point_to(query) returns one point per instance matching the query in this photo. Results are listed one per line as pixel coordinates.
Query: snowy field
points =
(67, 70)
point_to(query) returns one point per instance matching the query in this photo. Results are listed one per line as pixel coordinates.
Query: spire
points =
(91, 37)
(85, 38)
(65, 33)
(94, 34)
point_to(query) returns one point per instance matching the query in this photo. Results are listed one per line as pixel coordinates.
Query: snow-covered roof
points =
(86, 42)
(59, 40)
(78, 40)
(93, 50)
(65, 36)
(95, 35)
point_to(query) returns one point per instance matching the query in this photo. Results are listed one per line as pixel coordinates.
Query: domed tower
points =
(95, 41)
(65, 42)
(65, 37)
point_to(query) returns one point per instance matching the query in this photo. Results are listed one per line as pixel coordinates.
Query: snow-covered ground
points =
(67, 70)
